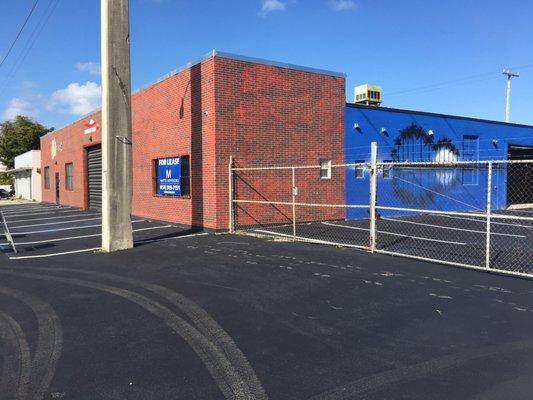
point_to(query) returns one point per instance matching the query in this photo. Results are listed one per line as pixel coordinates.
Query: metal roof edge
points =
(277, 64)
(213, 53)
(434, 114)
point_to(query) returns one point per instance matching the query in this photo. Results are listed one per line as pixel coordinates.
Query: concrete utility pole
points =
(116, 127)
(510, 75)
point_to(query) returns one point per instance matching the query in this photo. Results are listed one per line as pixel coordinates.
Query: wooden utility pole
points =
(116, 127)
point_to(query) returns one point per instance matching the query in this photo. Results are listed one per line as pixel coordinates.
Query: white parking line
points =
(451, 228)
(81, 214)
(55, 254)
(98, 248)
(41, 213)
(54, 223)
(82, 236)
(484, 220)
(170, 238)
(33, 209)
(64, 229)
(397, 234)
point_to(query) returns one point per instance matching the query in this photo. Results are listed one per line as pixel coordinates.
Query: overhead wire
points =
(454, 82)
(38, 28)
(19, 33)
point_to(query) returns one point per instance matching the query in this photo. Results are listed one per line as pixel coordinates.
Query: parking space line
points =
(397, 234)
(55, 254)
(66, 229)
(83, 236)
(98, 248)
(449, 227)
(484, 220)
(33, 209)
(170, 238)
(81, 214)
(41, 213)
(56, 223)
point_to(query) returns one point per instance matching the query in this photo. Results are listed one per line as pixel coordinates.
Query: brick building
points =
(260, 112)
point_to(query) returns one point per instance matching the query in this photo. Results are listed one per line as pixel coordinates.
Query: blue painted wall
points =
(457, 189)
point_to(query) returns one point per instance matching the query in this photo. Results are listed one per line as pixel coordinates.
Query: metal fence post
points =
(489, 206)
(373, 194)
(231, 222)
(294, 192)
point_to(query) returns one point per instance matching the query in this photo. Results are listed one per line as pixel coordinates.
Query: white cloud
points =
(90, 67)
(267, 6)
(343, 5)
(77, 99)
(18, 106)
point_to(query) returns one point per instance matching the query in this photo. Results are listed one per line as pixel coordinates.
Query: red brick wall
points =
(273, 116)
(169, 120)
(70, 143)
(262, 115)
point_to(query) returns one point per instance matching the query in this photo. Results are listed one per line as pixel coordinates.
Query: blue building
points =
(413, 136)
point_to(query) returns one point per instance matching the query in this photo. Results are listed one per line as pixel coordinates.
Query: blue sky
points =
(429, 55)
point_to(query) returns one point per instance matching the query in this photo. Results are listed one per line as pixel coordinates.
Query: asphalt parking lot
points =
(195, 316)
(47, 230)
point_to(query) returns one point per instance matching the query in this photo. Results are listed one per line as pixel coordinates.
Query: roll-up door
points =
(94, 176)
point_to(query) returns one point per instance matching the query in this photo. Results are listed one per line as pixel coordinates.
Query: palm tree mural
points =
(422, 185)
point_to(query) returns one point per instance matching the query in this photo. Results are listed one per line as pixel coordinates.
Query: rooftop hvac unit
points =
(369, 95)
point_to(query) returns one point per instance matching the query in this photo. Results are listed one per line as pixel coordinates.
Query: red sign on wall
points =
(91, 126)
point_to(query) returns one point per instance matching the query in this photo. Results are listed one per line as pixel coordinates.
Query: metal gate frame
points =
(488, 215)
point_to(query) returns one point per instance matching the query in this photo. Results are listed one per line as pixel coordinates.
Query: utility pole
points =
(116, 127)
(510, 75)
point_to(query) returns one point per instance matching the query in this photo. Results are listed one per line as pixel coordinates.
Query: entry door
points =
(57, 187)
(520, 176)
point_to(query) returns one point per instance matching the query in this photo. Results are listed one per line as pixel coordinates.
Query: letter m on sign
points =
(168, 174)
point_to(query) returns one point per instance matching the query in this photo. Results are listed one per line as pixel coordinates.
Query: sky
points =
(428, 55)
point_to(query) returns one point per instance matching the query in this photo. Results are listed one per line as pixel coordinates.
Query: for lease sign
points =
(169, 176)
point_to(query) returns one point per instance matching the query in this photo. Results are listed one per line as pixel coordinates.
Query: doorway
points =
(57, 188)
(520, 176)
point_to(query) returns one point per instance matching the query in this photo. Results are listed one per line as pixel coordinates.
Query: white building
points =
(27, 173)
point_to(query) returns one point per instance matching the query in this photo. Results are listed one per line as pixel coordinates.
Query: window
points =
(47, 177)
(325, 169)
(387, 170)
(470, 148)
(68, 176)
(359, 170)
(172, 176)
(470, 153)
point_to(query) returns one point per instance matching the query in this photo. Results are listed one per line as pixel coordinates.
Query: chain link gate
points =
(474, 214)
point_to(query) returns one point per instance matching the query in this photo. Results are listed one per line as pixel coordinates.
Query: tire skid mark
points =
(417, 371)
(49, 342)
(16, 368)
(203, 321)
(231, 384)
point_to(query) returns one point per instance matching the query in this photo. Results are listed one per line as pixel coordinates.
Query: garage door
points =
(94, 176)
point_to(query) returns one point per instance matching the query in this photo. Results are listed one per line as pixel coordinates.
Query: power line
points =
(39, 27)
(455, 82)
(19, 32)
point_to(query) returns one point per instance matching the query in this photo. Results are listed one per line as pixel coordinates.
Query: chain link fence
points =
(475, 214)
